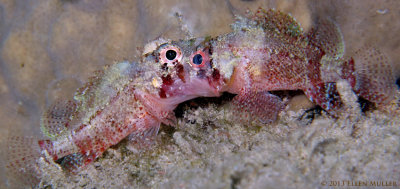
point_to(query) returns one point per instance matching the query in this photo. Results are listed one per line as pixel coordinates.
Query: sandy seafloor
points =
(50, 48)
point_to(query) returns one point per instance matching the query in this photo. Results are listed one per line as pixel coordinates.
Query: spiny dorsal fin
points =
(328, 37)
(55, 120)
(86, 92)
(101, 88)
(275, 21)
(284, 32)
(375, 79)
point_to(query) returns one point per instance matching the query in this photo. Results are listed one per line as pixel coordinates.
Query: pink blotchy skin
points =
(267, 51)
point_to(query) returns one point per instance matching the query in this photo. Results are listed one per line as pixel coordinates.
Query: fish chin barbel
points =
(265, 52)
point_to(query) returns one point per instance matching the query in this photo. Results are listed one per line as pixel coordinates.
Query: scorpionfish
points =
(266, 51)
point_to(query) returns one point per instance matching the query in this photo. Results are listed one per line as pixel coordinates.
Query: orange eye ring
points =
(170, 55)
(199, 59)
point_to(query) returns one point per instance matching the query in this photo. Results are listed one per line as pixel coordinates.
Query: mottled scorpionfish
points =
(266, 51)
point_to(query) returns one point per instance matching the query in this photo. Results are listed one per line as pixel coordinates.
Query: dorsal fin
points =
(102, 87)
(282, 30)
(85, 93)
(56, 119)
(328, 37)
(278, 22)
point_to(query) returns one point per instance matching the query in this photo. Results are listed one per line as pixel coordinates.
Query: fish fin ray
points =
(141, 139)
(375, 80)
(262, 107)
(277, 22)
(22, 155)
(329, 38)
(55, 120)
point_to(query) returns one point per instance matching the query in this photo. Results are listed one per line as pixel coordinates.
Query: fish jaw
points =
(196, 83)
(187, 73)
(191, 83)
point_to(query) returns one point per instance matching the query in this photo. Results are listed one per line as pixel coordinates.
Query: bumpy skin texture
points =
(266, 51)
(269, 52)
(129, 99)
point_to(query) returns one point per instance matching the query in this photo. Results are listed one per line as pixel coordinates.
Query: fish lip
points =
(216, 91)
(213, 91)
(215, 87)
(203, 87)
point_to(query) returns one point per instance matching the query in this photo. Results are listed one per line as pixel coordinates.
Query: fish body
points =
(266, 51)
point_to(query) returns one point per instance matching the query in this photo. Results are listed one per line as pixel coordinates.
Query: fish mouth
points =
(202, 87)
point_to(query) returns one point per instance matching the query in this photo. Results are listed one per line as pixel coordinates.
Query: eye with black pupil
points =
(170, 55)
(197, 59)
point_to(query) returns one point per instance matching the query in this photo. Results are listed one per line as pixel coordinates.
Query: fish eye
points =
(170, 55)
(198, 59)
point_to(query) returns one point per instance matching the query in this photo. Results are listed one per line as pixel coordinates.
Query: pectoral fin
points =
(261, 107)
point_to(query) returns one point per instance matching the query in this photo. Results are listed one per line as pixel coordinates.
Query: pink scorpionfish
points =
(266, 51)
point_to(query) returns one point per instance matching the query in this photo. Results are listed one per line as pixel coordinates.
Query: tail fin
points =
(22, 155)
(375, 80)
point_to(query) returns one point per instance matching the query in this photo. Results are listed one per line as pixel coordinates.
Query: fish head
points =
(182, 69)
